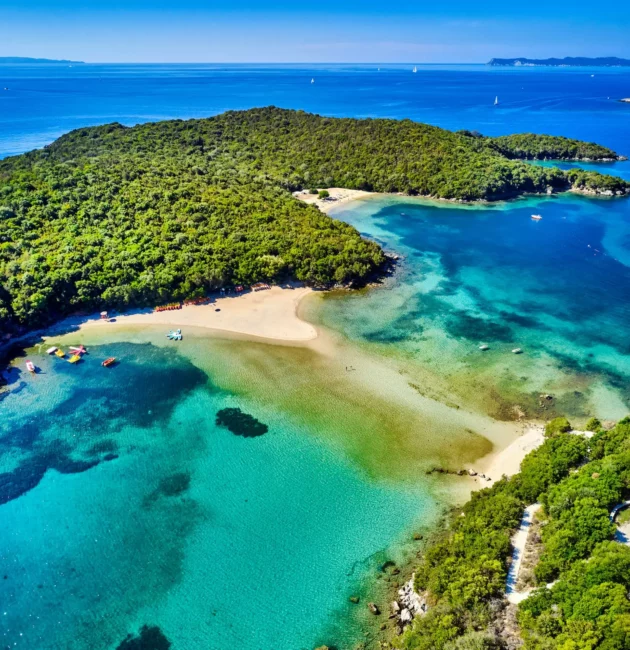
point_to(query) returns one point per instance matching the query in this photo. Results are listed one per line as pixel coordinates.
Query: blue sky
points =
(322, 31)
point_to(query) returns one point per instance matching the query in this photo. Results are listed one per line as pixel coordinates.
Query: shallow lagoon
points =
(150, 514)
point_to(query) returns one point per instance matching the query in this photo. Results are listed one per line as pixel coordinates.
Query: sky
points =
(386, 31)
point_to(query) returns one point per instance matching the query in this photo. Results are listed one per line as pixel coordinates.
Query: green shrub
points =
(593, 425)
(556, 426)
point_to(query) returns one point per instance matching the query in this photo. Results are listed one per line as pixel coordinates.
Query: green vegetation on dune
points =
(116, 216)
(578, 482)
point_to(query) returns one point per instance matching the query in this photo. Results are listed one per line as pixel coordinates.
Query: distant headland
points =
(26, 59)
(604, 61)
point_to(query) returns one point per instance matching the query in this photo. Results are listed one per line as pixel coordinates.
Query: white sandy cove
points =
(270, 314)
(508, 460)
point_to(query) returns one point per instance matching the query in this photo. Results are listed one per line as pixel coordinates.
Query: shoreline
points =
(270, 314)
(340, 196)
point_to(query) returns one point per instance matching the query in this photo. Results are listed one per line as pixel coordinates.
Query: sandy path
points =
(519, 540)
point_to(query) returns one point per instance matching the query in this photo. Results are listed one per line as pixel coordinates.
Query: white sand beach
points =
(508, 461)
(270, 314)
(338, 196)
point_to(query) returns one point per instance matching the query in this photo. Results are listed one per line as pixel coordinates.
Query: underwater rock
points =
(374, 609)
(150, 638)
(240, 424)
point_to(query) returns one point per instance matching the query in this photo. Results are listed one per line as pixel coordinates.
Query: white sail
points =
(415, 69)
(496, 100)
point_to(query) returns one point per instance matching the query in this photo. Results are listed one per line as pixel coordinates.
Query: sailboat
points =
(496, 100)
(415, 69)
(312, 81)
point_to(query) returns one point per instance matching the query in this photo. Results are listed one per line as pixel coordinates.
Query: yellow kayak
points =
(74, 358)
(60, 353)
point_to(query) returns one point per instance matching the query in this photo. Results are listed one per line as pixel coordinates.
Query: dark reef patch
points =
(473, 328)
(150, 638)
(31, 471)
(142, 391)
(240, 424)
(173, 485)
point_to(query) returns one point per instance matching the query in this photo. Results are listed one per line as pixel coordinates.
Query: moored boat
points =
(109, 362)
(51, 350)
(30, 366)
(75, 358)
(536, 217)
(60, 353)
(517, 351)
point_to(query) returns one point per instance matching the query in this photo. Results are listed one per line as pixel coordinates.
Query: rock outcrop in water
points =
(241, 424)
(150, 638)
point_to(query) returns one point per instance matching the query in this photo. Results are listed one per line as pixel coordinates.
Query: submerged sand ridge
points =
(373, 406)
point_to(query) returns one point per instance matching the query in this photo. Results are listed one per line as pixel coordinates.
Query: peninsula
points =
(119, 217)
(548, 537)
(576, 61)
(26, 59)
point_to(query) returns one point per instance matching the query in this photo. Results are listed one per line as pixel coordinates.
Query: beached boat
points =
(30, 366)
(536, 217)
(51, 350)
(109, 362)
(78, 350)
(60, 353)
(75, 358)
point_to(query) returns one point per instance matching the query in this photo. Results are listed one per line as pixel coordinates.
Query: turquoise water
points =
(125, 505)
(558, 288)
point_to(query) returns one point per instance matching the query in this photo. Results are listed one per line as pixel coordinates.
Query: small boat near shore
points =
(536, 217)
(78, 350)
(60, 353)
(174, 335)
(51, 350)
(30, 366)
(108, 363)
(517, 351)
(484, 347)
(75, 358)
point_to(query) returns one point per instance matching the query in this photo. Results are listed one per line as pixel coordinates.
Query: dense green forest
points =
(116, 216)
(577, 481)
(529, 146)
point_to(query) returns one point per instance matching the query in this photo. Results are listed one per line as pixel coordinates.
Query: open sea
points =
(226, 494)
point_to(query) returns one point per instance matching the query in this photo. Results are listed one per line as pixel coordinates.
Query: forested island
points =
(580, 61)
(26, 59)
(580, 572)
(116, 216)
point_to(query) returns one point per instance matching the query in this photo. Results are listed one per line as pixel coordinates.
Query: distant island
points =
(116, 216)
(26, 59)
(602, 62)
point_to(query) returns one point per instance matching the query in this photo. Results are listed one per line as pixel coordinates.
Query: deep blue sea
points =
(43, 102)
(132, 520)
